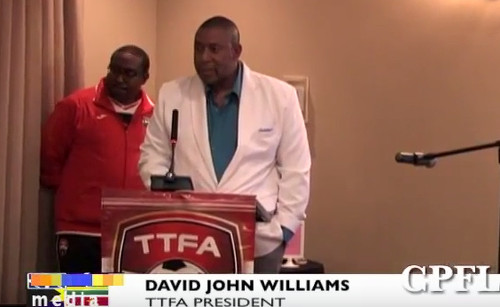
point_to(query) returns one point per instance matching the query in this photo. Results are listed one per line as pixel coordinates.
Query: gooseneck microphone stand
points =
(430, 159)
(170, 181)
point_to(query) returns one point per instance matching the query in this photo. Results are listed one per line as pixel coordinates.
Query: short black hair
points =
(224, 23)
(137, 51)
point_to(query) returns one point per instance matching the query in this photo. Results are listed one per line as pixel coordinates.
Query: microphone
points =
(415, 158)
(173, 141)
(175, 126)
(170, 181)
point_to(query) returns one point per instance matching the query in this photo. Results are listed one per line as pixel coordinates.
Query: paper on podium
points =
(177, 232)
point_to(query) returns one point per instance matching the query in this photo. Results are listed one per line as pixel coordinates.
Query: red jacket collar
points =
(101, 99)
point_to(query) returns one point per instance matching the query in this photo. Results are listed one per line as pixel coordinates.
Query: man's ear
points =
(145, 77)
(237, 50)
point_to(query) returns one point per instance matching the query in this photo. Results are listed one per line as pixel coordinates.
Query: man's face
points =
(125, 77)
(215, 54)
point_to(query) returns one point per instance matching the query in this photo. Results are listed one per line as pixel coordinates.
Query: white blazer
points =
(272, 160)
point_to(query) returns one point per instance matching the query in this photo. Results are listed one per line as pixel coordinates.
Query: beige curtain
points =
(40, 61)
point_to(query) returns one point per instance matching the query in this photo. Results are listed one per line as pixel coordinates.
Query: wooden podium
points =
(177, 232)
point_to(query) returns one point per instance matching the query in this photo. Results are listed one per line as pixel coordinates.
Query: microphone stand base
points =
(175, 183)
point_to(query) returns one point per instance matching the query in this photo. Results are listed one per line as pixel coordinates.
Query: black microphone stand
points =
(434, 156)
(171, 182)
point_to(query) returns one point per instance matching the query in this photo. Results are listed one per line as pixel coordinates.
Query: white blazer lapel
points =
(199, 124)
(246, 118)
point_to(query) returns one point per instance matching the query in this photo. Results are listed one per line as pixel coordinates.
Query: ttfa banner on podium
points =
(177, 232)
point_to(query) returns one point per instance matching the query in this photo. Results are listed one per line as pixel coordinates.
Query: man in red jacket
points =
(91, 141)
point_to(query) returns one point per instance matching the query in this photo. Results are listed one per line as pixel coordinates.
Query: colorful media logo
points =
(67, 290)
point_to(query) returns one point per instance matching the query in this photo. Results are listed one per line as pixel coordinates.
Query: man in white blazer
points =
(239, 132)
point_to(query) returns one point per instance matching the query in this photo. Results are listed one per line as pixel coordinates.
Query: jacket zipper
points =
(126, 154)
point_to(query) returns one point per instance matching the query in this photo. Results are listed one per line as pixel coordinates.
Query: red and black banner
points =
(178, 232)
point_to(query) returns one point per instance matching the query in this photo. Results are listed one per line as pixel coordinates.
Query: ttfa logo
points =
(160, 240)
(438, 278)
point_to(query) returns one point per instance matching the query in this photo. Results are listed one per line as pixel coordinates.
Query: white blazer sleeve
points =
(293, 163)
(156, 149)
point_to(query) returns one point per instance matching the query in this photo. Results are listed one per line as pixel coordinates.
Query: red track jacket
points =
(85, 147)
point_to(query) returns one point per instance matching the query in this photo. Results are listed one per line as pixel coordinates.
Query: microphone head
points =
(399, 156)
(175, 124)
(407, 157)
(415, 158)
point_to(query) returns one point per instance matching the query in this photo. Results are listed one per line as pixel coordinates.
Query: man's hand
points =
(287, 234)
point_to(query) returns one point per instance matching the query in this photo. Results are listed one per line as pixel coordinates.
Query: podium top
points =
(127, 193)
(183, 199)
(159, 198)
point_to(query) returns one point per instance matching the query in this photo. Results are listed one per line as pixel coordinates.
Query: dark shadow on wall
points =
(47, 258)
